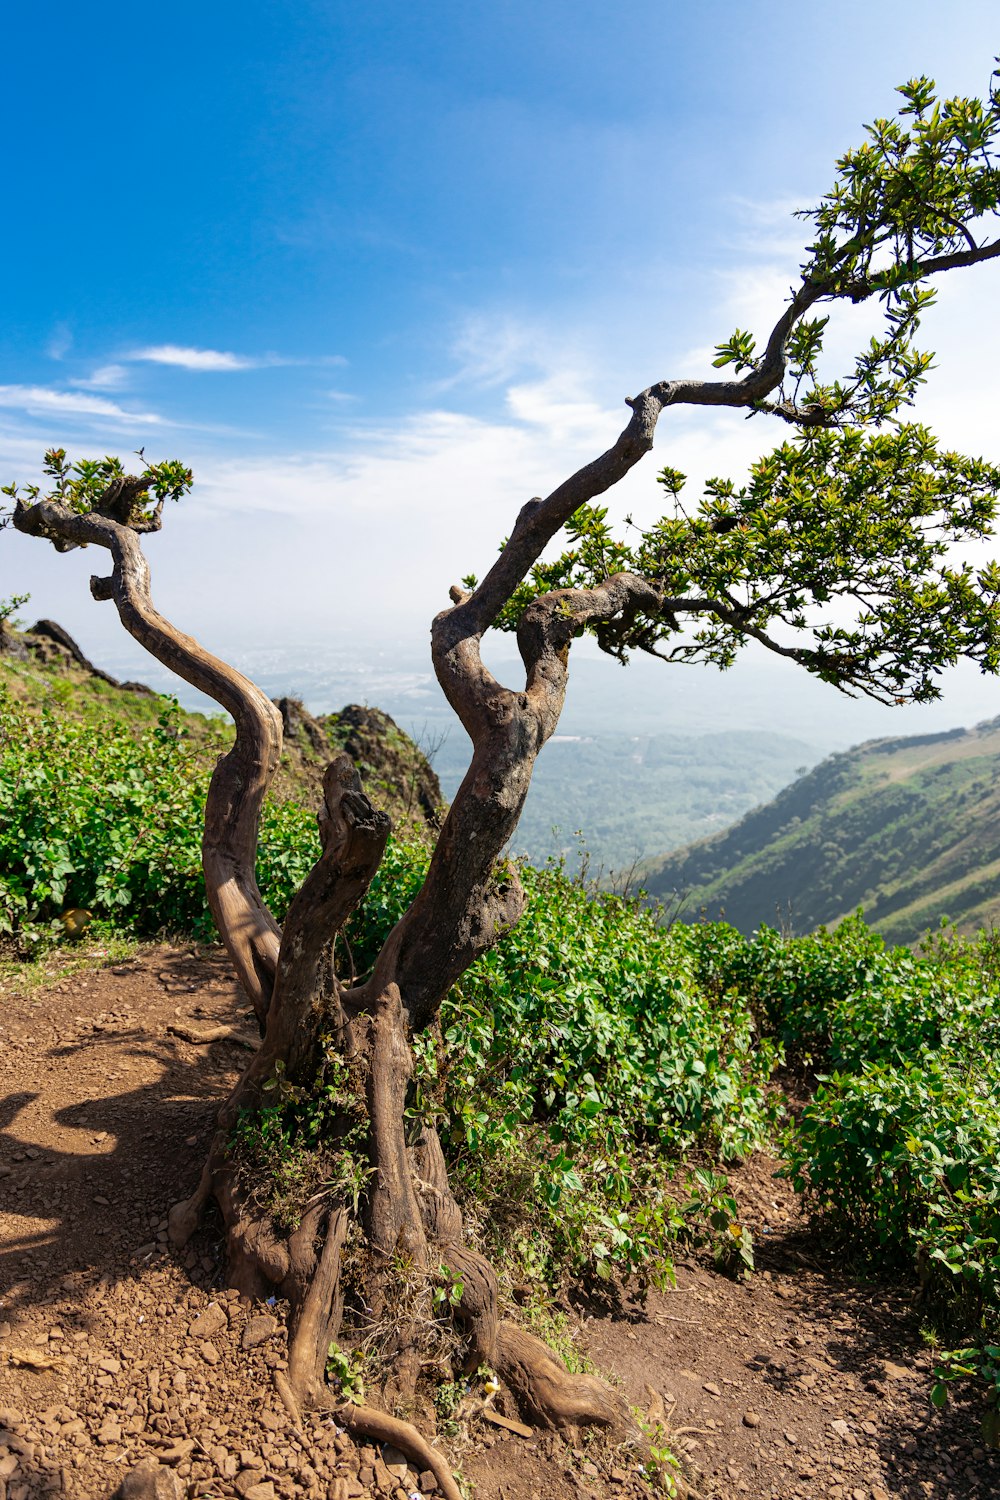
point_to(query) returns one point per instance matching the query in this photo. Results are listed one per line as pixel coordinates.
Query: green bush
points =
(108, 818)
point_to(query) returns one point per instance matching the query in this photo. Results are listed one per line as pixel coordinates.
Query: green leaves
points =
(84, 486)
(840, 538)
(737, 350)
(112, 822)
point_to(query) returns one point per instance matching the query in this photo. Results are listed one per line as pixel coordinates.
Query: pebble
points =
(711, 1387)
(212, 1321)
(258, 1330)
(751, 1419)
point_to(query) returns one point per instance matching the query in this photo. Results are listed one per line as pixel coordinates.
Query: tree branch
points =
(240, 780)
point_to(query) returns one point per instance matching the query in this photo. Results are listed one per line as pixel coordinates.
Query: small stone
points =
(428, 1483)
(878, 1493)
(751, 1419)
(246, 1480)
(258, 1330)
(840, 1427)
(110, 1366)
(210, 1354)
(212, 1321)
(711, 1387)
(791, 1438)
(263, 1491)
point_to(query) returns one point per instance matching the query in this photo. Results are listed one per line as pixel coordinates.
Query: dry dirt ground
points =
(802, 1382)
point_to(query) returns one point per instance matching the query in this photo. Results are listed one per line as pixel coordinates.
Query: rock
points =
(878, 1493)
(247, 1480)
(149, 1481)
(428, 1483)
(212, 1321)
(711, 1387)
(263, 1491)
(395, 1461)
(751, 1419)
(840, 1427)
(210, 1354)
(258, 1330)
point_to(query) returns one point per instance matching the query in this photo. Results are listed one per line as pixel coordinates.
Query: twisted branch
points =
(241, 778)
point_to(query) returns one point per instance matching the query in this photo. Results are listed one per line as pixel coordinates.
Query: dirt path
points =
(799, 1383)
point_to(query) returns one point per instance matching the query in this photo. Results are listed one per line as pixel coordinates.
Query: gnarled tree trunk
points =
(400, 1217)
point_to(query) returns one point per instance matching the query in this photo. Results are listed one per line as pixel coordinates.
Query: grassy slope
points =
(392, 765)
(908, 828)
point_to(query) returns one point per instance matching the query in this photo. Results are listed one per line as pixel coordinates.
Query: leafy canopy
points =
(846, 533)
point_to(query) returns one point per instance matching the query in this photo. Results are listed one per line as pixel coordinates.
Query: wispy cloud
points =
(60, 341)
(39, 400)
(105, 378)
(490, 351)
(187, 357)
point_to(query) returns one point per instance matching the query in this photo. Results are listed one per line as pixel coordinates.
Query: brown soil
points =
(802, 1382)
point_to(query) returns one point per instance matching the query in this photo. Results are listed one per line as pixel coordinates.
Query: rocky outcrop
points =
(395, 771)
(47, 642)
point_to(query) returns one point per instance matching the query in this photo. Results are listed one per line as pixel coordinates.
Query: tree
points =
(835, 552)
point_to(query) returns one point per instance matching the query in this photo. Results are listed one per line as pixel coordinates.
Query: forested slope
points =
(908, 829)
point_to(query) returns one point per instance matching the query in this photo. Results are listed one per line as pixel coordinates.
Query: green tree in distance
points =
(837, 551)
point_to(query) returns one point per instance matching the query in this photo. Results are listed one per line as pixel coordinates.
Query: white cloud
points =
(105, 378)
(40, 400)
(194, 359)
(186, 357)
(490, 350)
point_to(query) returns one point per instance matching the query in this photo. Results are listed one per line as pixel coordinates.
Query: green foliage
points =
(830, 517)
(345, 1372)
(87, 485)
(302, 1141)
(713, 1218)
(897, 1151)
(575, 1059)
(9, 608)
(111, 822)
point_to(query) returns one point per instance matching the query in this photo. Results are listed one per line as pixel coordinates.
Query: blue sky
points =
(382, 272)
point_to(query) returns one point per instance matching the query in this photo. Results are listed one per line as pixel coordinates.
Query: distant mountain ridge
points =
(907, 828)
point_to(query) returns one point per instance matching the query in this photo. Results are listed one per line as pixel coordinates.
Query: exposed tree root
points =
(202, 1038)
(545, 1390)
(365, 1421)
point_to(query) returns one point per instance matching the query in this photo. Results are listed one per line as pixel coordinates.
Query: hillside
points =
(908, 829)
(631, 795)
(43, 668)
